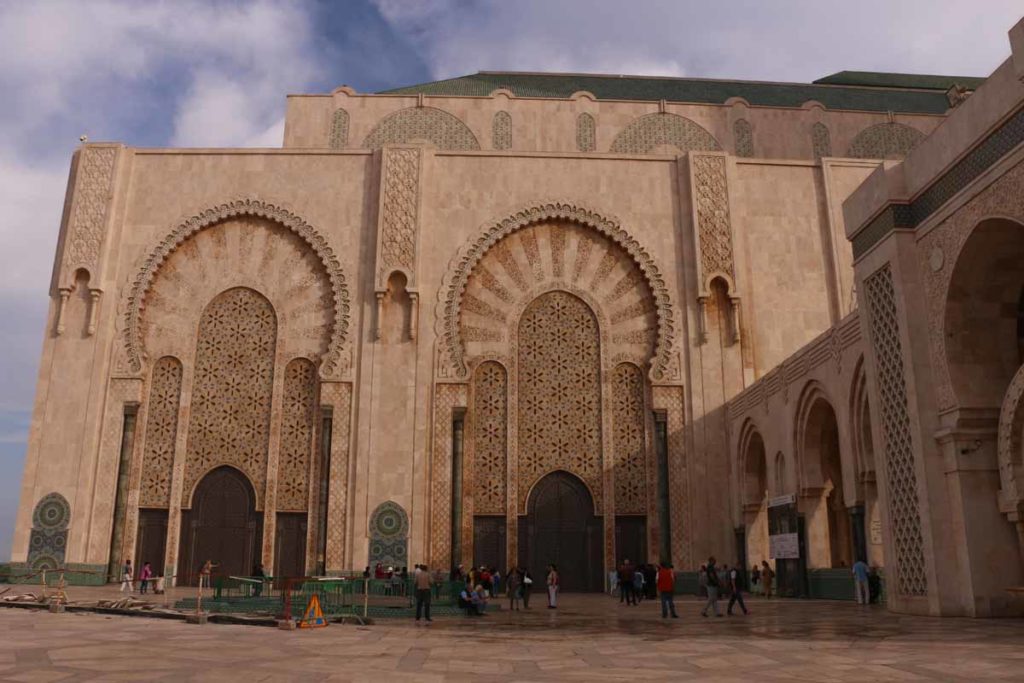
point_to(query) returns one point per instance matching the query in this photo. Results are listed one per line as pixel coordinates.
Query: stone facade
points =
(394, 328)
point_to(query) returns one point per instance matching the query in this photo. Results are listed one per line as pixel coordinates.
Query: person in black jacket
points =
(713, 585)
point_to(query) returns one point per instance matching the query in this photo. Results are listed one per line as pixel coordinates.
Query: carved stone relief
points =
(490, 439)
(712, 208)
(670, 399)
(743, 134)
(442, 129)
(297, 416)
(648, 132)
(447, 397)
(566, 247)
(231, 396)
(161, 433)
(559, 393)
(338, 395)
(246, 252)
(339, 129)
(93, 185)
(885, 141)
(399, 213)
(628, 443)
(501, 130)
(586, 133)
(821, 141)
(901, 471)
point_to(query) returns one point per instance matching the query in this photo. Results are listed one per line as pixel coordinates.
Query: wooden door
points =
(222, 526)
(631, 538)
(151, 543)
(290, 545)
(489, 542)
(563, 530)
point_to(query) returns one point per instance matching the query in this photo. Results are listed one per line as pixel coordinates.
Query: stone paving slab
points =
(589, 638)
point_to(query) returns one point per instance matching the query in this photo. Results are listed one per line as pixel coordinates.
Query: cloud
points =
(788, 40)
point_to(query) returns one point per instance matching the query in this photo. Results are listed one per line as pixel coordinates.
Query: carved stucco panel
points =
(670, 399)
(87, 227)
(711, 198)
(338, 395)
(447, 397)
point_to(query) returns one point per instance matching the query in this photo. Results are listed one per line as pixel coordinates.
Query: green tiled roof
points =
(885, 95)
(904, 81)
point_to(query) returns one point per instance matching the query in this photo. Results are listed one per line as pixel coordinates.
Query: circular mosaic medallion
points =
(52, 512)
(45, 562)
(389, 521)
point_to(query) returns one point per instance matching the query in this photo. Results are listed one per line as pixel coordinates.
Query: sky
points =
(215, 74)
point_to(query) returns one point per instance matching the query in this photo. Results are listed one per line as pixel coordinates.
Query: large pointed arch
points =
(135, 304)
(452, 294)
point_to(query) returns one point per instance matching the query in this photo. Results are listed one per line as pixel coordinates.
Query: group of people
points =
(481, 585)
(714, 581)
(146, 578)
(634, 583)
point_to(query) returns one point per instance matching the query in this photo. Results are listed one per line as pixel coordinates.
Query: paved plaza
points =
(589, 638)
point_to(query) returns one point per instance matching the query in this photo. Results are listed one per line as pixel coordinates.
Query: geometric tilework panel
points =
(161, 433)
(49, 536)
(231, 393)
(490, 430)
(389, 536)
(422, 123)
(297, 416)
(904, 511)
(628, 432)
(501, 132)
(648, 132)
(885, 141)
(339, 129)
(559, 392)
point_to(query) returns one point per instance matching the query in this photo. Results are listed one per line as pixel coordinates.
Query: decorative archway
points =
(441, 128)
(223, 526)
(560, 528)
(561, 244)
(334, 361)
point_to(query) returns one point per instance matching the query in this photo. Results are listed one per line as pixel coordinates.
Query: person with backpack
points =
(713, 584)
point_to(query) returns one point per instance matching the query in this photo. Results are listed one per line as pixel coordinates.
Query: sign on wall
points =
(783, 547)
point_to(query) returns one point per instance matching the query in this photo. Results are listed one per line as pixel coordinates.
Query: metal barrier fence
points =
(355, 596)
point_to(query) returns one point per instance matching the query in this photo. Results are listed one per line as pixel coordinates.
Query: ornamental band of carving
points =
(904, 511)
(743, 134)
(501, 130)
(471, 255)
(490, 438)
(712, 204)
(447, 397)
(586, 133)
(339, 129)
(297, 415)
(629, 445)
(335, 360)
(821, 141)
(399, 213)
(95, 178)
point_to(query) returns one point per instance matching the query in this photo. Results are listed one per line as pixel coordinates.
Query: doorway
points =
(561, 528)
(222, 526)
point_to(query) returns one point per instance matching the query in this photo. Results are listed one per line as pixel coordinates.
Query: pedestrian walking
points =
(711, 572)
(260, 576)
(513, 584)
(422, 583)
(767, 578)
(736, 583)
(126, 577)
(527, 587)
(638, 584)
(144, 576)
(496, 580)
(626, 584)
(666, 590)
(552, 586)
(860, 582)
(702, 581)
(755, 579)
